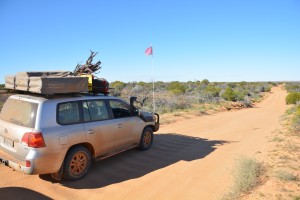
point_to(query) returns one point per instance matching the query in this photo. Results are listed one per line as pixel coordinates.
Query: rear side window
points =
(19, 112)
(68, 113)
(94, 110)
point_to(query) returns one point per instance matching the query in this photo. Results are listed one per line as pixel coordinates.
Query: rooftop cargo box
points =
(47, 82)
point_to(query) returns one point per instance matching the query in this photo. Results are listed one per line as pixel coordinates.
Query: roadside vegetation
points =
(197, 96)
(278, 177)
(285, 157)
(293, 114)
(281, 174)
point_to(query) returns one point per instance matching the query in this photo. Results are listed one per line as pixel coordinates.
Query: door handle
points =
(119, 125)
(91, 131)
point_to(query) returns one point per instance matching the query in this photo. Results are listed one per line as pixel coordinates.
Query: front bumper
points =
(156, 126)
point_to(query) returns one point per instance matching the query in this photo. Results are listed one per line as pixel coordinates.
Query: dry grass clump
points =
(285, 176)
(246, 176)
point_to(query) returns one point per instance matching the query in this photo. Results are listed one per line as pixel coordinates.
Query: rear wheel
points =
(146, 139)
(77, 163)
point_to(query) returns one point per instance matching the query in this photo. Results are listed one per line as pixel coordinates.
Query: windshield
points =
(19, 112)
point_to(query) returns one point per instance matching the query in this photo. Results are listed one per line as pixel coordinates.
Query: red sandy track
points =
(190, 159)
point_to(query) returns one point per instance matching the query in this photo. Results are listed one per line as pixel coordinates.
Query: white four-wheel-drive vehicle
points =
(61, 134)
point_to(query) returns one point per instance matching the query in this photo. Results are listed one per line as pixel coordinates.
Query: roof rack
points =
(56, 82)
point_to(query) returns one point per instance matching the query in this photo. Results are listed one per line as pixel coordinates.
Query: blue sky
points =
(249, 40)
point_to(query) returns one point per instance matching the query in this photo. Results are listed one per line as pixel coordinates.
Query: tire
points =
(146, 139)
(77, 163)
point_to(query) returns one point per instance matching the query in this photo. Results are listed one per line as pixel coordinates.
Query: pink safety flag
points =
(149, 51)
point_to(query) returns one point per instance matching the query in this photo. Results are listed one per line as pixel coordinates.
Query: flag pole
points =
(153, 84)
(148, 52)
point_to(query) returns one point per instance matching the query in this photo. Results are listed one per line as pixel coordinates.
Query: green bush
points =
(240, 95)
(292, 87)
(118, 87)
(205, 82)
(176, 87)
(214, 91)
(229, 94)
(292, 98)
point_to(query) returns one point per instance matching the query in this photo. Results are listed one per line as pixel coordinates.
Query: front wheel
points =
(146, 139)
(77, 163)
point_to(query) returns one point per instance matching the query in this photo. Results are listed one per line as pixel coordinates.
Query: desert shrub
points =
(247, 101)
(176, 87)
(292, 87)
(247, 173)
(212, 90)
(267, 88)
(295, 125)
(232, 85)
(285, 176)
(246, 176)
(137, 89)
(229, 94)
(118, 87)
(263, 87)
(205, 82)
(142, 83)
(240, 95)
(260, 89)
(172, 104)
(292, 98)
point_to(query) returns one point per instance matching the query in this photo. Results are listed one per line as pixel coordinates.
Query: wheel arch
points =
(150, 126)
(87, 145)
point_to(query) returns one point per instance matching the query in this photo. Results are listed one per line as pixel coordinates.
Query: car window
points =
(86, 113)
(68, 113)
(94, 110)
(19, 112)
(120, 109)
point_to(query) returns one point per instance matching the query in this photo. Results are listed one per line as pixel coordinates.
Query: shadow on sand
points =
(167, 149)
(18, 193)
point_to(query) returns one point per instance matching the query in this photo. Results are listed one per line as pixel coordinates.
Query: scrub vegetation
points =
(178, 96)
(282, 175)
(294, 112)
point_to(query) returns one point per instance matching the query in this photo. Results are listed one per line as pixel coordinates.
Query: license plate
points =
(8, 142)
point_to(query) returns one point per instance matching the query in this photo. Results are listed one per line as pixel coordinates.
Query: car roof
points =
(61, 97)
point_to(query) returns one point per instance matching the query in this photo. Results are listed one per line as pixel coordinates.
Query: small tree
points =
(176, 87)
(205, 82)
(212, 90)
(229, 94)
(118, 87)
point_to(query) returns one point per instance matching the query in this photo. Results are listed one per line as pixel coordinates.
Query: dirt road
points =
(190, 159)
